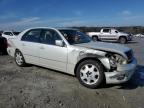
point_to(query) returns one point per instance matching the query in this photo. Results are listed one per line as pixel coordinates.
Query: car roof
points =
(109, 28)
(6, 31)
(66, 28)
(52, 28)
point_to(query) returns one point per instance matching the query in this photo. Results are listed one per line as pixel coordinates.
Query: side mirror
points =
(59, 43)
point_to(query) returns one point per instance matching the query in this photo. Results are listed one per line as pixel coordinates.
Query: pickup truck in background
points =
(110, 34)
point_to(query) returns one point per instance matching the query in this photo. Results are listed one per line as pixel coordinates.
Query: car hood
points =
(122, 33)
(110, 47)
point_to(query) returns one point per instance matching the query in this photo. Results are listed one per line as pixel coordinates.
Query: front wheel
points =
(90, 73)
(19, 59)
(123, 40)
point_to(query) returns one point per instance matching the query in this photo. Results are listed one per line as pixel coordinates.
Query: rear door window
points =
(32, 35)
(106, 30)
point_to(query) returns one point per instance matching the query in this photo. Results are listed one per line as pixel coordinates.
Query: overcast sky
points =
(21, 14)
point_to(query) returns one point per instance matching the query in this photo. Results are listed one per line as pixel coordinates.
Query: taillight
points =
(5, 43)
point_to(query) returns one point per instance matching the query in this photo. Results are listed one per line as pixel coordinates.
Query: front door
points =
(52, 56)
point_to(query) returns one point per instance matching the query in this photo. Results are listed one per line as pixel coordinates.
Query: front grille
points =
(129, 55)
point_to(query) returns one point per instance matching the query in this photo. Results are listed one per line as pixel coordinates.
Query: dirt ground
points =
(37, 87)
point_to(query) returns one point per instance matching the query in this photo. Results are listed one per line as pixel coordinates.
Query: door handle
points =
(41, 47)
(23, 44)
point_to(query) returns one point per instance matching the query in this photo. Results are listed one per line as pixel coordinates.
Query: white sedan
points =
(73, 52)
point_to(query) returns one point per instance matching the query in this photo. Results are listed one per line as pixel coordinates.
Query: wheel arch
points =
(16, 50)
(123, 37)
(87, 58)
(94, 36)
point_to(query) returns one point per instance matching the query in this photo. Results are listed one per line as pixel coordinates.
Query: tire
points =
(19, 59)
(122, 40)
(90, 74)
(95, 38)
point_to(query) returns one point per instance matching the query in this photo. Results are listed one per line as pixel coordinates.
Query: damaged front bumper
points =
(122, 74)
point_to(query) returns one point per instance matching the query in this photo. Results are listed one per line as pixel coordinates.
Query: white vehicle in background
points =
(139, 35)
(110, 34)
(142, 35)
(73, 52)
(9, 34)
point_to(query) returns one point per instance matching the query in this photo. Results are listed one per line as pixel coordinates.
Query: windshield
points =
(75, 37)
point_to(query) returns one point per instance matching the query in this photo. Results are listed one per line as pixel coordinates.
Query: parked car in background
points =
(9, 34)
(3, 45)
(73, 52)
(139, 35)
(110, 34)
(1, 33)
(142, 35)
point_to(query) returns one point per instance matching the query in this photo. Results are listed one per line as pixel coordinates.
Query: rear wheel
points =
(123, 40)
(90, 73)
(19, 59)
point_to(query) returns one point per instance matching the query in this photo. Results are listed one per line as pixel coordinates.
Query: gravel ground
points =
(37, 87)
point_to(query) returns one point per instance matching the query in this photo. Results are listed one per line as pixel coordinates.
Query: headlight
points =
(116, 59)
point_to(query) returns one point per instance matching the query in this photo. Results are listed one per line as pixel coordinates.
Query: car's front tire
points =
(90, 73)
(19, 59)
(123, 40)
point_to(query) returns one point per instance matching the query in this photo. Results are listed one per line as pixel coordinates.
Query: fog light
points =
(118, 77)
(121, 77)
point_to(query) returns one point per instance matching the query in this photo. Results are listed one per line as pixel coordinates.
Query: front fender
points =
(100, 55)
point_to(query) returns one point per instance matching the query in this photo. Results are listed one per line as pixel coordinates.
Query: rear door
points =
(113, 34)
(105, 34)
(30, 46)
